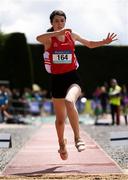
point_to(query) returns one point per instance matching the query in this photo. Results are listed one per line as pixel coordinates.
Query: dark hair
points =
(57, 12)
(50, 29)
(52, 15)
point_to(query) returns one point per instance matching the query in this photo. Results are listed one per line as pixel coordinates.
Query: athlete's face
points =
(58, 22)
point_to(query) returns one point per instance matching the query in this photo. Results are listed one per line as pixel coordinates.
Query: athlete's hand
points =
(62, 31)
(110, 38)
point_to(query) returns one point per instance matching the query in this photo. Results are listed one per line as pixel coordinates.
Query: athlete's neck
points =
(61, 38)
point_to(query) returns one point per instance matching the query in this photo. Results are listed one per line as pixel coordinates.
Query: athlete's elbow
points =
(38, 38)
(90, 46)
(41, 39)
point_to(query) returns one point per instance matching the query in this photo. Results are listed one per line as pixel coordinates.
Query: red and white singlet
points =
(60, 57)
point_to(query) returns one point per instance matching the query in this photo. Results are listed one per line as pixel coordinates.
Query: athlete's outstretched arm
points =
(93, 44)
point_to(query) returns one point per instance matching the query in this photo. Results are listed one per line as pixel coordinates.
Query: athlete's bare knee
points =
(69, 103)
(60, 122)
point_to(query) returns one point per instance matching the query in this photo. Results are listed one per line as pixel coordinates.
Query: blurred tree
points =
(18, 66)
(2, 40)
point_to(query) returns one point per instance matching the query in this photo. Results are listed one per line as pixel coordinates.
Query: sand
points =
(69, 177)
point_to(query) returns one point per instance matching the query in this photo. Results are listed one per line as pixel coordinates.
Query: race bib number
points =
(62, 57)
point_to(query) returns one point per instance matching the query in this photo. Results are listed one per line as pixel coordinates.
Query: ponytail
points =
(50, 29)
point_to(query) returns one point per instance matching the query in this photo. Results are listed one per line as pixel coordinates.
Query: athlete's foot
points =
(80, 145)
(63, 151)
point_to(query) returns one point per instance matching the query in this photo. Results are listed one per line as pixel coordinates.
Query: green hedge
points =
(17, 65)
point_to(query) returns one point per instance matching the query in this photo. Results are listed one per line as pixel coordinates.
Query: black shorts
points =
(62, 82)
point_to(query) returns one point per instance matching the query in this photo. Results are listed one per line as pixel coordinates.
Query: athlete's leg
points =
(72, 95)
(60, 111)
